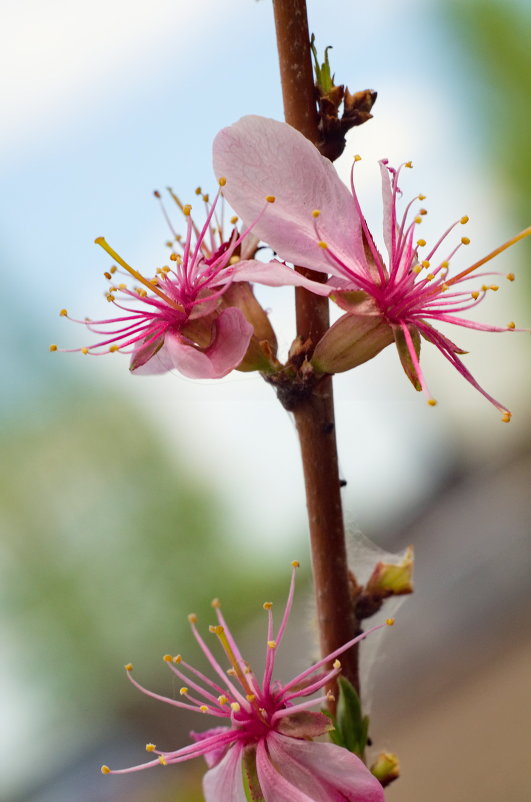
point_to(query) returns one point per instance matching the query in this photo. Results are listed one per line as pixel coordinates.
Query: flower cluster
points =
(267, 727)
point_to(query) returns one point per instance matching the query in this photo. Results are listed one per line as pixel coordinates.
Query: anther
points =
(187, 209)
(409, 165)
(445, 287)
(330, 697)
(423, 211)
(198, 190)
(316, 213)
(425, 263)
(167, 658)
(173, 257)
(235, 707)
(113, 349)
(389, 621)
(105, 770)
(430, 277)
(53, 347)
(418, 219)
(162, 760)
(156, 193)
(295, 564)
(267, 605)
(107, 275)
(421, 243)
(110, 298)
(357, 157)
(234, 219)
(206, 198)
(177, 659)
(234, 260)
(510, 276)
(222, 181)
(465, 240)
(336, 665)
(511, 324)
(422, 197)
(507, 417)
(183, 691)
(417, 269)
(272, 644)
(464, 219)
(494, 287)
(322, 244)
(215, 603)
(150, 747)
(84, 350)
(231, 672)
(432, 402)
(250, 697)
(128, 666)
(270, 198)
(203, 709)
(222, 700)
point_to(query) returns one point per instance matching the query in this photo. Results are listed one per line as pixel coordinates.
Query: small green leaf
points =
(351, 725)
(323, 77)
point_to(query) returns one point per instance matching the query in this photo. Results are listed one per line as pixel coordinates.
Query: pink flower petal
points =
(224, 783)
(276, 274)
(147, 361)
(213, 756)
(275, 787)
(333, 767)
(232, 333)
(261, 157)
(388, 209)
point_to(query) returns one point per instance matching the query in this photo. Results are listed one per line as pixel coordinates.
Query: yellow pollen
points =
(510, 276)
(150, 747)
(270, 198)
(267, 605)
(465, 240)
(234, 260)
(215, 603)
(464, 219)
(409, 164)
(105, 770)
(235, 707)
(222, 700)
(417, 269)
(187, 210)
(336, 664)
(113, 349)
(178, 238)
(192, 618)
(84, 350)
(445, 287)
(53, 348)
(272, 644)
(357, 157)
(128, 666)
(423, 211)
(183, 691)
(234, 219)
(295, 564)
(432, 402)
(494, 287)
(418, 219)
(389, 621)
(63, 313)
(231, 672)
(110, 298)
(322, 244)
(222, 181)
(122, 286)
(206, 198)
(113, 269)
(177, 659)
(511, 325)
(316, 213)
(507, 417)
(173, 257)
(421, 243)
(203, 709)
(162, 760)
(422, 197)
(216, 629)
(484, 288)
(250, 697)
(167, 658)
(430, 277)
(425, 264)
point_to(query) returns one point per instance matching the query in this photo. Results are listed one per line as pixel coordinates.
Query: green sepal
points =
(323, 77)
(251, 786)
(351, 726)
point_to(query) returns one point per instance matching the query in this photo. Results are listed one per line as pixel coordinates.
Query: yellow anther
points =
(128, 666)
(316, 213)
(425, 264)
(484, 288)
(167, 658)
(235, 707)
(192, 618)
(222, 699)
(423, 212)
(445, 287)
(187, 209)
(417, 269)
(84, 350)
(222, 181)
(63, 313)
(231, 672)
(183, 691)
(322, 244)
(216, 629)
(464, 219)
(507, 417)
(336, 665)
(206, 198)
(234, 259)
(110, 298)
(270, 198)
(107, 275)
(330, 697)
(162, 760)
(250, 697)
(465, 240)
(198, 190)
(105, 770)
(357, 157)
(267, 605)
(422, 197)
(494, 287)
(113, 269)
(150, 747)
(510, 276)
(432, 402)
(511, 324)
(178, 238)
(53, 347)
(421, 243)
(272, 644)
(430, 277)
(234, 219)
(295, 564)
(122, 286)
(203, 709)
(389, 621)
(177, 659)
(418, 219)
(113, 349)
(215, 603)
(409, 164)
(173, 257)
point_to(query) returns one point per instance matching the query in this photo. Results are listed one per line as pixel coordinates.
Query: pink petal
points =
(276, 274)
(388, 203)
(275, 787)
(261, 157)
(224, 783)
(332, 766)
(214, 756)
(147, 361)
(232, 333)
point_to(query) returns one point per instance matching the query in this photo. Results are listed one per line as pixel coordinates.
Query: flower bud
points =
(352, 340)
(386, 768)
(389, 579)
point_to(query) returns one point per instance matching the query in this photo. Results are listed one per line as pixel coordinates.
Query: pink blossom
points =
(317, 223)
(266, 724)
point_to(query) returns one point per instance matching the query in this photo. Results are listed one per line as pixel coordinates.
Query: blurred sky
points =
(104, 102)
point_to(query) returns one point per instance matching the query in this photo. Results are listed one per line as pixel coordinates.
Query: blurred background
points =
(127, 502)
